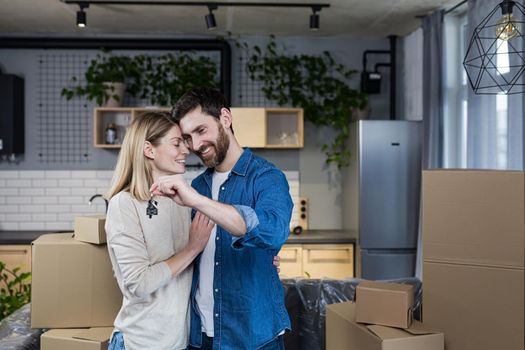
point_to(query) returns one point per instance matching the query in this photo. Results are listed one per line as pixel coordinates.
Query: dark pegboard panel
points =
(248, 92)
(64, 127)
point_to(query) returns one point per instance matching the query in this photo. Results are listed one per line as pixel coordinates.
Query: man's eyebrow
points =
(197, 127)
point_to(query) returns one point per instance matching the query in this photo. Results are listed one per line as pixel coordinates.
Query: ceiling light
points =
(314, 18)
(210, 18)
(81, 15)
(494, 60)
(506, 26)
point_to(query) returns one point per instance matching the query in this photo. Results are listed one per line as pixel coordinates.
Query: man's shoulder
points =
(261, 164)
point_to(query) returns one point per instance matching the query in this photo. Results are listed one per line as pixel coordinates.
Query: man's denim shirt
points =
(249, 305)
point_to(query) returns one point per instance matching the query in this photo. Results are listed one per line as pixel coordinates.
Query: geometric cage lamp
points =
(495, 58)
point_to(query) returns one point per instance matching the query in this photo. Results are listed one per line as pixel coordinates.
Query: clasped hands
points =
(176, 188)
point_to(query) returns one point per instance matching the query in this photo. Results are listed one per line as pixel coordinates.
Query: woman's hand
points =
(200, 230)
(277, 263)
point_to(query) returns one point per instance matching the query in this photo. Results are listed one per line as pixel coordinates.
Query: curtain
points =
(433, 90)
(432, 155)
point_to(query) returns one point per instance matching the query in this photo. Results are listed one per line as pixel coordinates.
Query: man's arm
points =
(268, 223)
(180, 191)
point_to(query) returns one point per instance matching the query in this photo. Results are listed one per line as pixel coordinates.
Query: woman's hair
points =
(133, 172)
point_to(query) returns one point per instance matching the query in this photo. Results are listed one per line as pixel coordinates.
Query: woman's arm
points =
(200, 230)
(140, 276)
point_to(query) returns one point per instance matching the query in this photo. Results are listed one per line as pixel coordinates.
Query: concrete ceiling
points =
(357, 18)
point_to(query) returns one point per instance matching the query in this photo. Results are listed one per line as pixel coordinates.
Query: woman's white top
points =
(155, 306)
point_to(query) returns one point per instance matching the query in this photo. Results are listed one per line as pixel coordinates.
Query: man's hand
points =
(200, 230)
(277, 263)
(175, 187)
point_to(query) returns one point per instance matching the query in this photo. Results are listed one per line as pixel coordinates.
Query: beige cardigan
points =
(155, 306)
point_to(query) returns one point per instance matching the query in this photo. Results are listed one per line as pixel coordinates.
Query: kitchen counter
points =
(323, 237)
(306, 237)
(22, 237)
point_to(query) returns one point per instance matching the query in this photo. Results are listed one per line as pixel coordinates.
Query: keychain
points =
(152, 208)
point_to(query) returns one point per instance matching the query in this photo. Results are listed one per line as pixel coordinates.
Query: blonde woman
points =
(148, 241)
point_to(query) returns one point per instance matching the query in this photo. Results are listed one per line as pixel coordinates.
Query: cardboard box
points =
(72, 284)
(473, 252)
(474, 217)
(477, 307)
(344, 333)
(387, 304)
(76, 339)
(90, 229)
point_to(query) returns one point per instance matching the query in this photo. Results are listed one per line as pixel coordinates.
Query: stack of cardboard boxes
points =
(74, 291)
(473, 251)
(380, 319)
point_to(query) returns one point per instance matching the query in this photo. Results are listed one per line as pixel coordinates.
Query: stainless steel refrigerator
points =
(381, 193)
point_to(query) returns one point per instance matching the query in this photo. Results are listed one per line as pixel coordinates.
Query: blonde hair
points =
(133, 172)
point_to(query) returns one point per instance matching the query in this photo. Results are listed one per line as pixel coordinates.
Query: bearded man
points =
(237, 298)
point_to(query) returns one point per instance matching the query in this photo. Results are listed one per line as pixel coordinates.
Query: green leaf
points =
(318, 84)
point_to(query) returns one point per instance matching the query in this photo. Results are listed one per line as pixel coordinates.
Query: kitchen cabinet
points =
(120, 117)
(291, 260)
(268, 127)
(317, 260)
(16, 255)
(253, 127)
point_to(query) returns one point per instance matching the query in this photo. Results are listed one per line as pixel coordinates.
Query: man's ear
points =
(226, 118)
(149, 150)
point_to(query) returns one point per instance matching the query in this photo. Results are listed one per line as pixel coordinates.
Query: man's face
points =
(205, 136)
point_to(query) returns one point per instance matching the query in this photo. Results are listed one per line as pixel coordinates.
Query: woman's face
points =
(169, 156)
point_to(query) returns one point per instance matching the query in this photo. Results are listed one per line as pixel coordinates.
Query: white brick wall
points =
(50, 200)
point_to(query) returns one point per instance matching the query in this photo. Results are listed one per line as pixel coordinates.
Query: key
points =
(152, 208)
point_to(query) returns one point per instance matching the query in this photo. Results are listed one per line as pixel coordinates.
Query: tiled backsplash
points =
(50, 200)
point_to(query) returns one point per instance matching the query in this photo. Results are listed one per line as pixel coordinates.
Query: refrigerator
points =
(381, 194)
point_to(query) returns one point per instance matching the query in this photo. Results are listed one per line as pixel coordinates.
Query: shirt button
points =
(216, 263)
(222, 188)
(217, 238)
(216, 290)
(216, 315)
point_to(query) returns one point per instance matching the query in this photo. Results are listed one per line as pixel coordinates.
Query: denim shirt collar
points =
(240, 168)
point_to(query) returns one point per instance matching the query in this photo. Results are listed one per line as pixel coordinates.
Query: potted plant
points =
(15, 290)
(162, 79)
(318, 84)
(167, 77)
(106, 78)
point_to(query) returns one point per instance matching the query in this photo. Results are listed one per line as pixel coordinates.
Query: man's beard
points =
(221, 145)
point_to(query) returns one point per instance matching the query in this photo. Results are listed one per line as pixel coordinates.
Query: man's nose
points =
(196, 143)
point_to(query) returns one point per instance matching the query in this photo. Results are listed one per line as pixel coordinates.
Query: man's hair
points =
(209, 99)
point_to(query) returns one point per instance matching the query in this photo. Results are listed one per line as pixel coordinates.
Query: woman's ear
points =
(149, 151)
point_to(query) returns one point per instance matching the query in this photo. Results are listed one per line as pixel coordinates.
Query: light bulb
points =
(506, 27)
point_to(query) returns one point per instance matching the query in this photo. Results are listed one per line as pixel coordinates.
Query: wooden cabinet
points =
(317, 260)
(121, 117)
(16, 256)
(253, 127)
(291, 260)
(269, 127)
(329, 260)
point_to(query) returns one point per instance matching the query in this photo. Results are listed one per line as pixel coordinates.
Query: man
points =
(237, 298)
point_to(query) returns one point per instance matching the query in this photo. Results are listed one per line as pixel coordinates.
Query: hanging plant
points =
(102, 72)
(160, 79)
(317, 84)
(166, 78)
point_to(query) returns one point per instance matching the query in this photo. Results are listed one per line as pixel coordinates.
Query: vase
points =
(114, 89)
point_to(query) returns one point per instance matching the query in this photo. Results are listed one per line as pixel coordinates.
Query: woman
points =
(148, 242)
